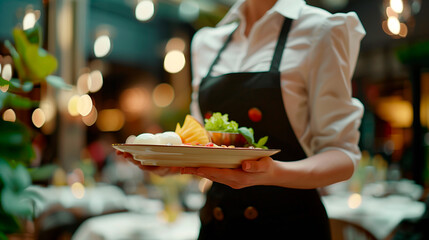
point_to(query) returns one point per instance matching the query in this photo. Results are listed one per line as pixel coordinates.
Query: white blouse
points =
(316, 68)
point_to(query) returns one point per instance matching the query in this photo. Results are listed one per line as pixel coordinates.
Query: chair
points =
(346, 230)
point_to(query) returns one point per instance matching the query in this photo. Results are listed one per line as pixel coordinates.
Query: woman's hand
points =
(252, 172)
(161, 171)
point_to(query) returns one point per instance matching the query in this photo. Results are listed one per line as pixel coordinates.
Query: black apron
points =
(259, 212)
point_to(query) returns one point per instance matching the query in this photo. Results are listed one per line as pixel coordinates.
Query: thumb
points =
(255, 166)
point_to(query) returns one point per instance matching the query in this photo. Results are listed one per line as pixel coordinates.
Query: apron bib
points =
(259, 212)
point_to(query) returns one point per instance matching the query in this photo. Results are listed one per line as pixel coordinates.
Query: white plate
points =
(192, 156)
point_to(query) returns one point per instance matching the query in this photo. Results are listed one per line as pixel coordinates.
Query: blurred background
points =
(126, 69)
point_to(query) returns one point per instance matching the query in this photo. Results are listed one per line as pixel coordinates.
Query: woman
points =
(293, 63)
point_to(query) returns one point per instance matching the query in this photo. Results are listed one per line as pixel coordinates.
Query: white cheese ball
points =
(146, 138)
(169, 137)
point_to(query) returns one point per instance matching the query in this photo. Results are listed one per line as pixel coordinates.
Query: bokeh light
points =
(91, 118)
(403, 32)
(9, 115)
(110, 120)
(7, 72)
(84, 105)
(175, 44)
(95, 81)
(135, 101)
(391, 13)
(38, 117)
(102, 46)
(72, 105)
(163, 95)
(174, 61)
(354, 201)
(396, 111)
(189, 10)
(48, 106)
(397, 5)
(82, 83)
(78, 190)
(144, 10)
(394, 25)
(29, 20)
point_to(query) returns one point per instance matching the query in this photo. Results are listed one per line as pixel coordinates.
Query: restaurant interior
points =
(99, 72)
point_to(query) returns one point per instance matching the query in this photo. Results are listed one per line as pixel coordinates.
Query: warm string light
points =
(398, 15)
(144, 10)
(102, 46)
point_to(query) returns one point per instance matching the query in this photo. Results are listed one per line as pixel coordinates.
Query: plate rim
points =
(200, 147)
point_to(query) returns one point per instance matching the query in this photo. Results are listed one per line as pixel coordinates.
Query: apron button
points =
(251, 213)
(218, 213)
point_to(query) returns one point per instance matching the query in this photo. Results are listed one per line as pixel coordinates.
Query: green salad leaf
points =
(220, 123)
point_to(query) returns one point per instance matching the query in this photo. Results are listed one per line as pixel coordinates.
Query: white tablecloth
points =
(95, 200)
(129, 225)
(379, 215)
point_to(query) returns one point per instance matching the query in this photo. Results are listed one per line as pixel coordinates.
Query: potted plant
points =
(34, 66)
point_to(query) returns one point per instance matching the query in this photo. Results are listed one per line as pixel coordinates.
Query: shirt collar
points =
(288, 8)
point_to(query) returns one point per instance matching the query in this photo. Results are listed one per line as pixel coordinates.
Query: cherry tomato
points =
(255, 115)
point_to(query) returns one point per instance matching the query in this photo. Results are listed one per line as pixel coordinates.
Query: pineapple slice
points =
(192, 132)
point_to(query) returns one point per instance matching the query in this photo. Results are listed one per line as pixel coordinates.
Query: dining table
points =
(375, 210)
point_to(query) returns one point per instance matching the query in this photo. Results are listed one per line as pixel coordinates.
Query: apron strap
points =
(281, 44)
(278, 52)
(220, 51)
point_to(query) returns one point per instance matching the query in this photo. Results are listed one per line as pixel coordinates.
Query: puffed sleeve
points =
(335, 116)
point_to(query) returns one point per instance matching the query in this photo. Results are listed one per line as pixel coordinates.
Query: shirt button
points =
(251, 213)
(218, 213)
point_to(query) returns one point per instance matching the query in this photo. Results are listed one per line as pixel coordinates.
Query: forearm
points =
(316, 171)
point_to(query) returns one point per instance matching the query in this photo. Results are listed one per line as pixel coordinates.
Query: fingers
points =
(257, 166)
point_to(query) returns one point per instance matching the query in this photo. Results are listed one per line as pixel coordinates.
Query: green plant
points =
(33, 66)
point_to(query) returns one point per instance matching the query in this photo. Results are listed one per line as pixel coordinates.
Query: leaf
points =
(5, 173)
(13, 134)
(21, 178)
(17, 60)
(8, 99)
(39, 62)
(8, 224)
(262, 141)
(27, 86)
(15, 85)
(2, 235)
(58, 82)
(34, 34)
(42, 173)
(15, 204)
(247, 134)
(219, 122)
(19, 102)
(4, 82)
(21, 41)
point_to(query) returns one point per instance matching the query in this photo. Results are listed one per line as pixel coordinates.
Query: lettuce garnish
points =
(220, 123)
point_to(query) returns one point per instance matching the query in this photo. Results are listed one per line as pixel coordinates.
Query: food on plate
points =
(192, 132)
(218, 131)
(225, 132)
(168, 138)
(146, 138)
